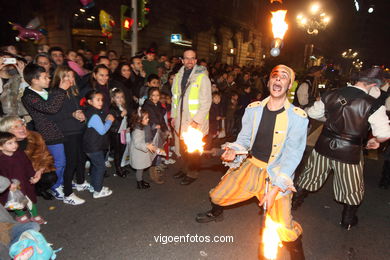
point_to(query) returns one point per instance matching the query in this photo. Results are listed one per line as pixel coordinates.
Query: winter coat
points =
(38, 153)
(156, 114)
(10, 98)
(64, 118)
(19, 167)
(204, 101)
(140, 156)
(40, 109)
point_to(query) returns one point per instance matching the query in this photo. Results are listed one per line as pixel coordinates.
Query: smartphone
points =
(9, 61)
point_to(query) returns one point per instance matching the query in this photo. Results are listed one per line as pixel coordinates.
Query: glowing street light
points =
(314, 21)
(314, 8)
(349, 54)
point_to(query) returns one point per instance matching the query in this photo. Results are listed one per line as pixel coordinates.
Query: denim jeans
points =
(98, 168)
(58, 153)
(18, 229)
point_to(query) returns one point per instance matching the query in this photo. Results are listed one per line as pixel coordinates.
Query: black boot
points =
(348, 217)
(298, 198)
(142, 185)
(215, 214)
(295, 249)
(121, 172)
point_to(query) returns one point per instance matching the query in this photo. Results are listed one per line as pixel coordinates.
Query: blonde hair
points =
(59, 74)
(7, 122)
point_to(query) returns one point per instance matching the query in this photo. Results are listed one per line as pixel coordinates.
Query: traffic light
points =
(126, 22)
(143, 11)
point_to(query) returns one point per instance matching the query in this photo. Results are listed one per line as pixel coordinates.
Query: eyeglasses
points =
(21, 124)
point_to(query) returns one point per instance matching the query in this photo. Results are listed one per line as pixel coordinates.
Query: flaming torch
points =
(193, 140)
(279, 28)
(270, 238)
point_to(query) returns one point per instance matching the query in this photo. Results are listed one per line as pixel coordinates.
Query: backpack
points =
(32, 245)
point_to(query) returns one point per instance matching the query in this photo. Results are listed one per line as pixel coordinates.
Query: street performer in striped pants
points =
(350, 112)
(275, 133)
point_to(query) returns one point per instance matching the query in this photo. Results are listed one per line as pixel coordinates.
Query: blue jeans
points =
(18, 229)
(98, 167)
(58, 153)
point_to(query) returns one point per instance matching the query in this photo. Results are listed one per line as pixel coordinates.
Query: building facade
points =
(226, 31)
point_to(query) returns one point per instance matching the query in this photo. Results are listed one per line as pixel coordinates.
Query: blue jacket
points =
(289, 141)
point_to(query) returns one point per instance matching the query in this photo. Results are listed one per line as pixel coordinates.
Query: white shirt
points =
(379, 121)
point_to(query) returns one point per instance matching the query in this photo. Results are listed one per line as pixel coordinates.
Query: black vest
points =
(92, 140)
(347, 111)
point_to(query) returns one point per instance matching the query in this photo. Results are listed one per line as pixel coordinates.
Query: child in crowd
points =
(166, 103)
(71, 120)
(215, 118)
(16, 165)
(41, 104)
(152, 81)
(118, 128)
(96, 142)
(141, 149)
(231, 110)
(156, 121)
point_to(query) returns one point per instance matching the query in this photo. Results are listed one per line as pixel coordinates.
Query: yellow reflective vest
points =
(193, 98)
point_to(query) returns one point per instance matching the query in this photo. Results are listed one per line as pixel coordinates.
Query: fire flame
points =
(279, 25)
(270, 239)
(193, 140)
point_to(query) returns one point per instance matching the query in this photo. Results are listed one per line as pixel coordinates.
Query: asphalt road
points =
(126, 224)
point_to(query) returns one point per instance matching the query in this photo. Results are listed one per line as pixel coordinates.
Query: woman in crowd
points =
(34, 146)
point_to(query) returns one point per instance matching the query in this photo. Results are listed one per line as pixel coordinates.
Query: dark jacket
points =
(40, 109)
(347, 111)
(64, 118)
(137, 81)
(92, 140)
(19, 167)
(156, 114)
(115, 111)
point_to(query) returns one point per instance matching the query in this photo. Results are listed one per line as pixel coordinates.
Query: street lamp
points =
(358, 64)
(349, 54)
(315, 20)
(312, 22)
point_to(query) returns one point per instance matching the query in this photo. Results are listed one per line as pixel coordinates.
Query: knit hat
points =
(289, 71)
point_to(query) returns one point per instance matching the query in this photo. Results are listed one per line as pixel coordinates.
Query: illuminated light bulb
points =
(314, 8)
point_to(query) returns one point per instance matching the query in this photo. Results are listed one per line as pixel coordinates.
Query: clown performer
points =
(275, 132)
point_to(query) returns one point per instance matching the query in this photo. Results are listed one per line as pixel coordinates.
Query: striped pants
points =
(348, 183)
(248, 181)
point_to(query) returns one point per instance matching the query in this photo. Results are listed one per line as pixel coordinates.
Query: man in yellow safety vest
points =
(191, 101)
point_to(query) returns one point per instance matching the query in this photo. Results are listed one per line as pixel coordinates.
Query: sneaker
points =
(57, 193)
(84, 186)
(87, 164)
(39, 220)
(73, 185)
(110, 159)
(103, 193)
(22, 219)
(108, 164)
(72, 199)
